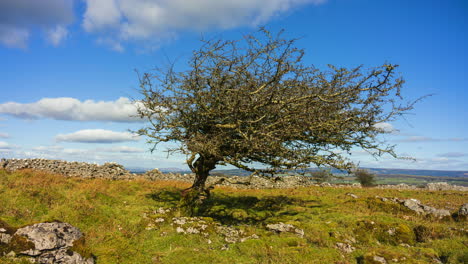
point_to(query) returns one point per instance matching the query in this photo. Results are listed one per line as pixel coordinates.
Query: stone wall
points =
(70, 169)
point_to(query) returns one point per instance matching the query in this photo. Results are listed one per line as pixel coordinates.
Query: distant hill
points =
(378, 171)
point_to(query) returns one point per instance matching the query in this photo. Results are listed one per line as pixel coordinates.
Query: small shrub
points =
(365, 177)
(422, 233)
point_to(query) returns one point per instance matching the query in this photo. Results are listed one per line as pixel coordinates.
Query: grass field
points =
(119, 221)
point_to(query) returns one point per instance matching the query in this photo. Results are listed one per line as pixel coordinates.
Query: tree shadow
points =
(232, 209)
(169, 196)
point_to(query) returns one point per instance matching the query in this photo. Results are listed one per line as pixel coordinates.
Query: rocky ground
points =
(137, 221)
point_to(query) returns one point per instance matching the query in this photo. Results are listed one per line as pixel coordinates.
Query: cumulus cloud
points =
(147, 19)
(19, 17)
(97, 136)
(4, 135)
(65, 108)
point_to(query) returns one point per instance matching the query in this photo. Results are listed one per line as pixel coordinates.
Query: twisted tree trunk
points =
(193, 197)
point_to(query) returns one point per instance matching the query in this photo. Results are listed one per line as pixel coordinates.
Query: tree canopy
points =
(253, 101)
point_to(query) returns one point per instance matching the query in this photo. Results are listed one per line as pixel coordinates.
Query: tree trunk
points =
(202, 167)
(193, 198)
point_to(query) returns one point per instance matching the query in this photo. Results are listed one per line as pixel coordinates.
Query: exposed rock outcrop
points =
(417, 207)
(462, 213)
(282, 227)
(45, 243)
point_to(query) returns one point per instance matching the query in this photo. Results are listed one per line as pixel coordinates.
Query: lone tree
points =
(252, 102)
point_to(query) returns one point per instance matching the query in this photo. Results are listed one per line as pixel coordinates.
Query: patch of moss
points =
(393, 234)
(9, 229)
(79, 246)
(19, 244)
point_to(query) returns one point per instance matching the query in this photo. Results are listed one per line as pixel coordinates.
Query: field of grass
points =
(118, 220)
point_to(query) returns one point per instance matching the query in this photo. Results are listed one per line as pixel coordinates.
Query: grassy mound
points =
(122, 223)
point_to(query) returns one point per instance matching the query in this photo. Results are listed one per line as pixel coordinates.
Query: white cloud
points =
(65, 108)
(97, 136)
(386, 127)
(149, 19)
(4, 135)
(101, 14)
(5, 145)
(57, 34)
(19, 17)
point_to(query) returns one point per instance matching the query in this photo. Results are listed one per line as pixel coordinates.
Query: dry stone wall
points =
(70, 169)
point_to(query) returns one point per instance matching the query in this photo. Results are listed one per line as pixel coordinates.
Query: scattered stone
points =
(192, 230)
(463, 211)
(379, 259)
(163, 211)
(5, 238)
(282, 227)
(225, 247)
(346, 248)
(352, 195)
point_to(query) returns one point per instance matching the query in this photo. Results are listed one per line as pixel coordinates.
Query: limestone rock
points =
(282, 227)
(52, 242)
(49, 236)
(413, 205)
(346, 248)
(63, 256)
(418, 207)
(379, 259)
(463, 211)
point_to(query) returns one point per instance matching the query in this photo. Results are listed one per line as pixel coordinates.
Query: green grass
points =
(115, 216)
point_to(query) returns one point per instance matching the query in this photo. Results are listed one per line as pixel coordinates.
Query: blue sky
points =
(67, 68)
